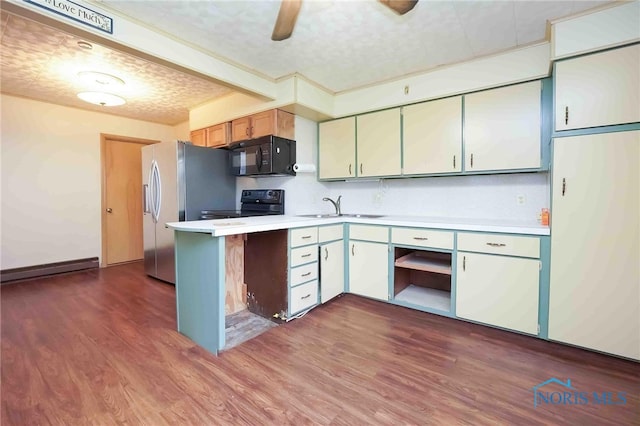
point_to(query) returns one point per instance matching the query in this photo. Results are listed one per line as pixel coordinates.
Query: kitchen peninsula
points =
(417, 262)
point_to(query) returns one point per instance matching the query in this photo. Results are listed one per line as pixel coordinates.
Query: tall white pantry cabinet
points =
(594, 293)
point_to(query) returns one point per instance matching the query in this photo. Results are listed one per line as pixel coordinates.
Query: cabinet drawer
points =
(500, 244)
(304, 236)
(369, 233)
(304, 273)
(330, 233)
(303, 296)
(302, 255)
(422, 238)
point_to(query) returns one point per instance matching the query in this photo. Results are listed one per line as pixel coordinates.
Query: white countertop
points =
(245, 225)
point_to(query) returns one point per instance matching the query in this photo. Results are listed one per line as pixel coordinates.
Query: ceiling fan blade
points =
(286, 20)
(399, 6)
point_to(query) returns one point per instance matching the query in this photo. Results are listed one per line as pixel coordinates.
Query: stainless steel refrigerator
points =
(179, 181)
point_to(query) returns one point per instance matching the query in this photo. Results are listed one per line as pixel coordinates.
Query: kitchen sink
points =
(363, 216)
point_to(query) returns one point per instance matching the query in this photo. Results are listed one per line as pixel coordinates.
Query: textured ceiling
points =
(347, 44)
(42, 63)
(339, 44)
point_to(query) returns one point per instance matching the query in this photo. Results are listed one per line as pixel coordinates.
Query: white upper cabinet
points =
(378, 142)
(503, 128)
(598, 90)
(432, 137)
(337, 149)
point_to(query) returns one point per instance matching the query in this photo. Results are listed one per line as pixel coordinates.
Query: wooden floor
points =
(100, 347)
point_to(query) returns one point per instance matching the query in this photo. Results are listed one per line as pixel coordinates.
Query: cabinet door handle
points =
(564, 186)
(471, 160)
(246, 131)
(496, 244)
(306, 297)
(464, 263)
(420, 238)
(306, 275)
(326, 253)
(353, 247)
(566, 115)
(306, 255)
(360, 168)
(454, 161)
(306, 237)
(349, 169)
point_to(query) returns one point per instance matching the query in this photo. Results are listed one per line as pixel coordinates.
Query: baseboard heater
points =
(8, 275)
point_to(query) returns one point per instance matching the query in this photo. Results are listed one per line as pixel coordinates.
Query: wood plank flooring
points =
(100, 347)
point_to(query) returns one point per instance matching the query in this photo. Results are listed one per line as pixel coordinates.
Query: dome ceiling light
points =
(101, 98)
(100, 78)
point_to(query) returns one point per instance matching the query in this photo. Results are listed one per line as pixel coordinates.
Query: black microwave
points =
(266, 155)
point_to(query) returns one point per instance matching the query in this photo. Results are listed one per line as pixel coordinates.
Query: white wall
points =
(481, 196)
(50, 179)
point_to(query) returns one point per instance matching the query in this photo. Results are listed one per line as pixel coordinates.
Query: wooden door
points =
(594, 298)
(263, 123)
(378, 143)
(241, 129)
(432, 137)
(598, 90)
(369, 269)
(498, 290)
(503, 128)
(337, 148)
(122, 201)
(331, 270)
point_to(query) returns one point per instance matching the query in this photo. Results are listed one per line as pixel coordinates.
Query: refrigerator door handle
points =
(157, 192)
(145, 199)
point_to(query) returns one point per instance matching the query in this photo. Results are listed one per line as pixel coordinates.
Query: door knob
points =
(109, 210)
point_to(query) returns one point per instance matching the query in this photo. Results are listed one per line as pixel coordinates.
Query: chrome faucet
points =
(336, 203)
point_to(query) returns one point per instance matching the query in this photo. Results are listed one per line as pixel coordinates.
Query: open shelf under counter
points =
(425, 261)
(426, 297)
(422, 279)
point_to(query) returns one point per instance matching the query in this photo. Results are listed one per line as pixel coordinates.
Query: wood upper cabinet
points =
(199, 137)
(503, 128)
(214, 136)
(378, 143)
(594, 295)
(219, 135)
(337, 149)
(273, 122)
(432, 137)
(598, 90)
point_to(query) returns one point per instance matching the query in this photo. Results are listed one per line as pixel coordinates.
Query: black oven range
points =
(253, 202)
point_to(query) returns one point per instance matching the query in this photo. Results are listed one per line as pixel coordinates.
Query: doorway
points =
(121, 161)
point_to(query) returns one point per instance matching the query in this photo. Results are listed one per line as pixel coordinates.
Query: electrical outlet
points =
(520, 200)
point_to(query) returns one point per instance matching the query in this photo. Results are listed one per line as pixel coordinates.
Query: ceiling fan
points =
(289, 13)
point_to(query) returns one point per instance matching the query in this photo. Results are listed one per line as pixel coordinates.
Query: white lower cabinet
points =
(303, 269)
(498, 290)
(331, 270)
(303, 296)
(369, 269)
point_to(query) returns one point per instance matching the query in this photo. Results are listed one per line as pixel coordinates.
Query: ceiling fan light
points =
(101, 98)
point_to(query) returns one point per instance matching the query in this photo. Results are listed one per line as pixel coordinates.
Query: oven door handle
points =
(259, 159)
